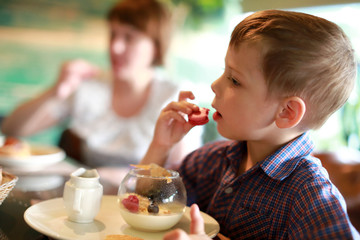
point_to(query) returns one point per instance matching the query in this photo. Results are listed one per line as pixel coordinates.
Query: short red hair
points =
(149, 16)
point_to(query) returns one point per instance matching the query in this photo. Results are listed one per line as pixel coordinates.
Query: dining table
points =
(36, 186)
(43, 189)
(40, 185)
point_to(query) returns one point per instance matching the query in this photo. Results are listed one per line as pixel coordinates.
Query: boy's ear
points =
(291, 112)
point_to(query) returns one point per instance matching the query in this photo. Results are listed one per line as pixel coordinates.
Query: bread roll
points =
(15, 147)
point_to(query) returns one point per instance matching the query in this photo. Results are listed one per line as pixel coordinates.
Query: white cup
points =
(82, 195)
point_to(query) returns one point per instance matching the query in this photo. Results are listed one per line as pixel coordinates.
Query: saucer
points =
(49, 218)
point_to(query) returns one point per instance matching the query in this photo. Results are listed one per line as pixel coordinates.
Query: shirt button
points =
(229, 190)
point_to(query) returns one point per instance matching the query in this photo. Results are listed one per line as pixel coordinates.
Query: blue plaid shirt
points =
(286, 196)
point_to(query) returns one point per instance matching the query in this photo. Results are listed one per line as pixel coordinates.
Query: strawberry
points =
(131, 203)
(200, 117)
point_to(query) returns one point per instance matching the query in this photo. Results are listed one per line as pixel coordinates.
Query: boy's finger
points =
(188, 127)
(177, 234)
(184, 107)
(170, 116)
(197, 222)
(183, 95)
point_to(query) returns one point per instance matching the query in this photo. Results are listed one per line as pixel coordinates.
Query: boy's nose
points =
(214, 86)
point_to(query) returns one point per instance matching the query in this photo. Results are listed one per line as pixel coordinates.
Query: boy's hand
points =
(197, 228)
(171, 125)
(170, 128)
(72, 73)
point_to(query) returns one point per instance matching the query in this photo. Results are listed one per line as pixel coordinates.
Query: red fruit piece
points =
(131, 203)
(11, 141)
(200, 117)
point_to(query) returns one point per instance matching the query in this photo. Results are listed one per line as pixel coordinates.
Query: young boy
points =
(285, 73)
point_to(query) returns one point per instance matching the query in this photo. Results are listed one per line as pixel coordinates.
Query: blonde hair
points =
(304, 56)
(148, 16)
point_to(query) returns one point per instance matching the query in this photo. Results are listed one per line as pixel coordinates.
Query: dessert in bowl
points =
(152, 198)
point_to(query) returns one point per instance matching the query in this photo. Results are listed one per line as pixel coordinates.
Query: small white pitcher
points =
(82, 195)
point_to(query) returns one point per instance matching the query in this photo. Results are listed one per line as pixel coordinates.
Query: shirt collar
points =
(280, 164)
(283, 162)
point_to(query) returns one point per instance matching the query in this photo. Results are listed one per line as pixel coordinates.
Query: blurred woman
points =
(113, 121)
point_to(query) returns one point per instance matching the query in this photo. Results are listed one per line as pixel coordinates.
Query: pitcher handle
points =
(78, 195)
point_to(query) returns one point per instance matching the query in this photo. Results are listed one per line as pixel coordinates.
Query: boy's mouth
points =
(216, 116)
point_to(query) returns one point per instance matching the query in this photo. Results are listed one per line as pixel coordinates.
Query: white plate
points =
(39, 182)
(49, 218)
(41, 156)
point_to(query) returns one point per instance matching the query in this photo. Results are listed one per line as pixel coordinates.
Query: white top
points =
(108, 138)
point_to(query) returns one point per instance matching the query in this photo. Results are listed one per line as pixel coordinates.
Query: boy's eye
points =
(233, 81)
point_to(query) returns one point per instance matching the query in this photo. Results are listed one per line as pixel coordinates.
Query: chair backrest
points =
(71, 143)
(343, 167)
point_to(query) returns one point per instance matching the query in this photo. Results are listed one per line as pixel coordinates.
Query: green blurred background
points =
(37, 36)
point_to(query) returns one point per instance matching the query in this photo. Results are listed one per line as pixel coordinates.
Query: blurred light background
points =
(36, 36)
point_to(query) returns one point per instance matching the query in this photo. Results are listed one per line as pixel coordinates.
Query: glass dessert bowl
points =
(152, 198)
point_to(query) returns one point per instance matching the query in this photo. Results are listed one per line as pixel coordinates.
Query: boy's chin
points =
(224, 134)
